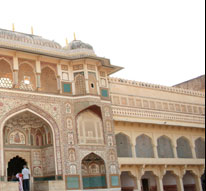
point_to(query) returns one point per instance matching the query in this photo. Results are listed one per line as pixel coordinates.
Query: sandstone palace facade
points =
(76, 128)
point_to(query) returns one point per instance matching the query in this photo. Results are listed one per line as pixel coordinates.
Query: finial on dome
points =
(13, 27)
(32, 30)
(75, 36)
(67, 43)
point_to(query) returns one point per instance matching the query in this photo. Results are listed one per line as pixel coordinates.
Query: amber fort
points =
(77, 128)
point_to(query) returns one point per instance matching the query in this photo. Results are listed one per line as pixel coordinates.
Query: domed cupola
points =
(79, 48)
(78, 44)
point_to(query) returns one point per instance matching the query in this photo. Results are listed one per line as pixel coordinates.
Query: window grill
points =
(6, 82)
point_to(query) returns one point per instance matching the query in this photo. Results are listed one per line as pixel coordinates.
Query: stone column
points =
(15, 70)
(72, 78)
(38, 81)
(155, 151)
(175, 151)
(198, 183)
(86, 78)
(193, 151)
(15, 75)
(59, 88)
(38, 74)
(139, 185)
(98, 80)
(180, 185)
(58, 84)
(133, 151)
(159, 181)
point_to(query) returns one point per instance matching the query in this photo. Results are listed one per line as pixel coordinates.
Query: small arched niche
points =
(93, 172)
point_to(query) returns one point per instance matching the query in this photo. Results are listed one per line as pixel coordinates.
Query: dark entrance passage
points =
(145, 184)
(15, 166)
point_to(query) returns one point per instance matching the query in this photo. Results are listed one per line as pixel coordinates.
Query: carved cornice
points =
(142, 113)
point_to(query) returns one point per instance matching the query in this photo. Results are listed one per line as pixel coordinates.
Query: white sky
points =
(156, 41)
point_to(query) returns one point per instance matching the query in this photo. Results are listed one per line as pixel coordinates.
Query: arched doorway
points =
(93, 172)
(15, 166)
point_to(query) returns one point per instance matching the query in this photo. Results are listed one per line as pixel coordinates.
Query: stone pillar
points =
(155, 151)
(15, 63)
(15, 70)
(59, 77)
(193, 151)
(175, 151)
(133, 151)
(139, 184)
(180, 185)
(58, 84)
(159, 181)
(86, 78)
(15, 81)
(98, 80)
(38, 66)
(38, 81)
(198, 183)
(38, 74)
(72, 78)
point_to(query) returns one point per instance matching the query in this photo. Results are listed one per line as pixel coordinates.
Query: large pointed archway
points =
(29, 136)
(46, 117)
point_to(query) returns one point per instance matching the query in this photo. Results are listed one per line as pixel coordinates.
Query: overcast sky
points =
(156, 41)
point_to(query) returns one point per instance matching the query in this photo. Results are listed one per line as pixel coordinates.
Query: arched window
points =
(165, 149)
(27, 79)
(144, 148)
(6, 76)
(93, 172)
(80, 87)
(183, 148)
(200, 148)
(124, 148)
(48, 80)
